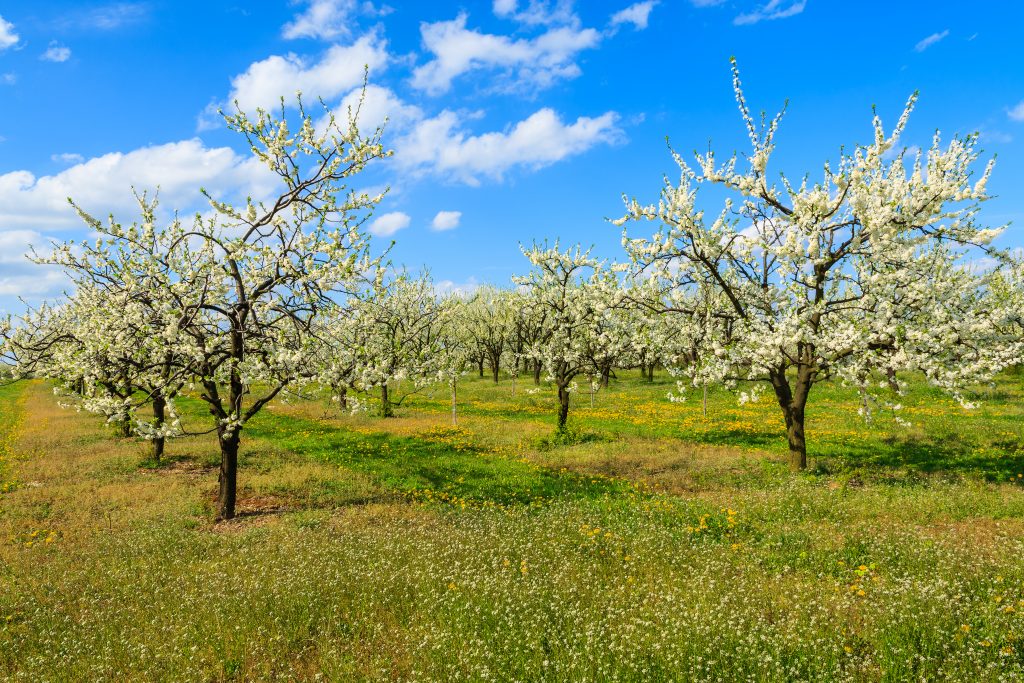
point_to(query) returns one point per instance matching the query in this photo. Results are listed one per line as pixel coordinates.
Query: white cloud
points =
(537, 62)
(637, 14)
(706, 3)
(446, 220)
(340, 69)
(439, 145)
(19, 277)
(775, 9)
(8, 38)
(40, 281)
(8, 79)
(926, 43)
(537, 12)
(14, 244)
(67, 158)
(388, 224)
(997, 137)
(378, 104)
(328, 19)
(56, 53)
(1016, 113)
(108, 17)
(460, 288)
(103, 184)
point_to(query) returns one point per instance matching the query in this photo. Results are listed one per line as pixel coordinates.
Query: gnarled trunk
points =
(536, 372)
(495, 369)
(228, 477)
(563, 406)
(229, 435)
(797, 442)
(159, 417)
(793, 402)
(386, 407)
(890, 376)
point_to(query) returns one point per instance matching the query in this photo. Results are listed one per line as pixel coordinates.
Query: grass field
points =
(662, 546)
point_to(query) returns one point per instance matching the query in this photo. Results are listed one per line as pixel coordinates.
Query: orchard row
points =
(870, 270)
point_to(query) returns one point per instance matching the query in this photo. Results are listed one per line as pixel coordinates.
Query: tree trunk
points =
(480, 366)
(386, 409)
(793, 404)
(797, 442)
(563, 406)
(704, 404)
(228, 472)
(230, 434)
(650, 372)
(890, 375)
(495, 369)
(159, 416)
(536, 372)
(606, 373)
(342, 394)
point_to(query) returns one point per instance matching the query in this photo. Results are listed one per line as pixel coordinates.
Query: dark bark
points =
(228, 473)
(480, 366)
(563, 406)
(230, 435)
(159, 417)
(797, 442)
(793, 403)
(494, 371)
(536, 372)
(387, 409)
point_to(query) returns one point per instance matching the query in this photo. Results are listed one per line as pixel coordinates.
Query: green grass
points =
(11, 414)
(665, 547)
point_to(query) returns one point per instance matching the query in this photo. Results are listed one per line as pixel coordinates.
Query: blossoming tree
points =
(404, 327)
(571, 292)
(809, 278)
(240, 289)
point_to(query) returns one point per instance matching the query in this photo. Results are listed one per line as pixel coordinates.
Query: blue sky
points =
(511, 121)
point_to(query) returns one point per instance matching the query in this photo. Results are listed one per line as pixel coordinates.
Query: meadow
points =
(654, 544)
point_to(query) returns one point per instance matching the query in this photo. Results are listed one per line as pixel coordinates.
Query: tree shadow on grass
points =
(891, 457)
(737, 438)
(430, 469)
(933, 456)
